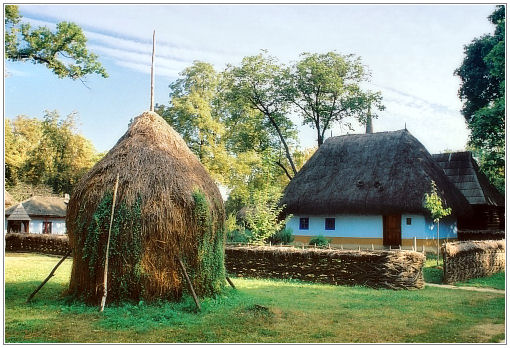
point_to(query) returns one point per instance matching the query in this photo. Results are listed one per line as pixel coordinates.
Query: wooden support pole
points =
(105, 276)
(49, 276)
(415, 247)
(152, 70)
(189, 284)
(230, 282)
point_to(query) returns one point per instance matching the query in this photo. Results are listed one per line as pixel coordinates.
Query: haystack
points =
(167, 207)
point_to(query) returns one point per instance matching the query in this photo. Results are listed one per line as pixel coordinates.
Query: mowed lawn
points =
(259, 310)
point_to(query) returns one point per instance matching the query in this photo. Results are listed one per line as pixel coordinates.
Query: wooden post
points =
(49, 276)
(437, 259)
(414, 244)
(152, 70)
(189, 284)
(359, 248)
(230, 282)
(372, 246)
(105, 276)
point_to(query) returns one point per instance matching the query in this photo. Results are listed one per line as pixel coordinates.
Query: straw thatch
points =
(378, 173)
(42, 206)
(167, 207)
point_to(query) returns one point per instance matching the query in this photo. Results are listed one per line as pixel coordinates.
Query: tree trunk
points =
(438, 243)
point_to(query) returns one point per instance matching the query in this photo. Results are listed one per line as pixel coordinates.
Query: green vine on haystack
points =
(211, 252)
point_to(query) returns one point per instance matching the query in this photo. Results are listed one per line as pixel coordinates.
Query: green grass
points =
(496, 281)
(259, 310)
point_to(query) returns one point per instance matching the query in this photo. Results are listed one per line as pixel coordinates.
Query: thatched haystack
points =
(167, 207)
(378, 173)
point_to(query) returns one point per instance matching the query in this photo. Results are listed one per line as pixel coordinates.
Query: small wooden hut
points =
(368, 189)
(167, 208)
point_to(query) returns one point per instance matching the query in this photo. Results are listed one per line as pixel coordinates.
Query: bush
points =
(239, 236)
(320, 241)
(284, 236)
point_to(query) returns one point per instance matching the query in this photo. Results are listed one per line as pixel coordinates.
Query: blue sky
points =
(411, 50)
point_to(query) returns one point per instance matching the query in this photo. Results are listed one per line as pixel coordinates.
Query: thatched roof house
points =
(167, 207)
(371, 180)
(488, 204)
(37, 214)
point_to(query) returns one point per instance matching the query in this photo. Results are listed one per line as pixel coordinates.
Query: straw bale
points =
(157, 171)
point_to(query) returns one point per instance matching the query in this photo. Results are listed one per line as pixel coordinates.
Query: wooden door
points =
(392, 233)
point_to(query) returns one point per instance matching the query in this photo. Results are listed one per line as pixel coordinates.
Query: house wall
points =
(365, 230)
(36, 225)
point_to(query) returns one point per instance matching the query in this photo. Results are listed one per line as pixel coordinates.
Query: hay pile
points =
(167, 207)
(472, 259)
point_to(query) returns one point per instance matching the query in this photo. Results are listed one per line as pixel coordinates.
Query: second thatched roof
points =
(378, 173)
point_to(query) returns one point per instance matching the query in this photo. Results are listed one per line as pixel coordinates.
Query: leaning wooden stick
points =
(230, 282)
(49, 276)
(152, 71)
(105, 282)
(189, 284)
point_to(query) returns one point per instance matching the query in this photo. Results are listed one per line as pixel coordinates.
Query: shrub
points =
(320, 241)
(284, 236)
(239, 236)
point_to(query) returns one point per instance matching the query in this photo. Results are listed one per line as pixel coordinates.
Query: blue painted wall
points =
(371, 226)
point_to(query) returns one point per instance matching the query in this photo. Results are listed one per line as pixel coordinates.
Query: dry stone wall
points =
(394, 269)
(472, 259)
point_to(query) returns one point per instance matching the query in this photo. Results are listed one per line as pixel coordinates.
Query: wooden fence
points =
(395, 269)
(43, 243)
(472, 259)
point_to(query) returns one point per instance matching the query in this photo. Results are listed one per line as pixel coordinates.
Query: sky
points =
(411, 51)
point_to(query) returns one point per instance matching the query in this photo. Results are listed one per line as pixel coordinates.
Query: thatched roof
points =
(18, 213)
(42, 206)
(8, 199)
(378, 173)
(462, 170)
(157, 169)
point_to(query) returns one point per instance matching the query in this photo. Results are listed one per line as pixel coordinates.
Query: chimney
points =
(369, 128)
(66, 198)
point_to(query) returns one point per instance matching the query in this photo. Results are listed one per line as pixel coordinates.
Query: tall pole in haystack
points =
(152, 70)
(105, 278)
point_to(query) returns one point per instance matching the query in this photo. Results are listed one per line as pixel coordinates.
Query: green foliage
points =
(434, 204)
(49, 152)
(320, 241)
(263, 214)
(64, 51)
(209, 276)
(482, 91)
(125, 254)
(326, 89)
(283, 236)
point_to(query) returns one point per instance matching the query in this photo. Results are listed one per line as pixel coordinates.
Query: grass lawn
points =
(259, 310)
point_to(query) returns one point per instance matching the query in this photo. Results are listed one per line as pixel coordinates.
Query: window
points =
(408, 221)
(330, 224)
(47, 227)
(303, 223)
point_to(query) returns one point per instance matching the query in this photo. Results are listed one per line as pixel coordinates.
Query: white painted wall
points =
(36, 225)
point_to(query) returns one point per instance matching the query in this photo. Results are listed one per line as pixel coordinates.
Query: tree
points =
(195, 113)
(482, 91)
(48, 152)
(64, 51)
(325, 88)
(259, 82)
(434, 204)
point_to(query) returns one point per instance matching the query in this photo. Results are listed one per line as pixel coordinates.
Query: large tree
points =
(48, 152)
(195, 113)
(63, 51)
(258, 82)
(482, 91)
(326, 89)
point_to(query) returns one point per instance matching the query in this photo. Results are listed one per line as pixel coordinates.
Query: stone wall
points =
(472, 259)
(395, 269)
